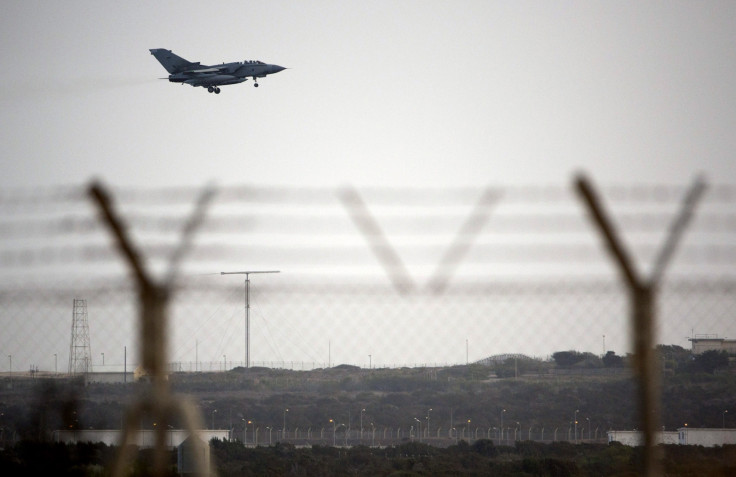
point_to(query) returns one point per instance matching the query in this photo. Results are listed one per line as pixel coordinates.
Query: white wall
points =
(706, 437)
(636, 438)
(144, 438)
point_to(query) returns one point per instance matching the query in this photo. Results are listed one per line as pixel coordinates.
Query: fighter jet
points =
(212, 77)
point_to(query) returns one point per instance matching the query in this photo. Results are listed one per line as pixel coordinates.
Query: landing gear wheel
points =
(210, 89)
(217, 90)
(255, 85)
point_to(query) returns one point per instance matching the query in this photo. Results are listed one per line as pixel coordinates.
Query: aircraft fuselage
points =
(212, 77)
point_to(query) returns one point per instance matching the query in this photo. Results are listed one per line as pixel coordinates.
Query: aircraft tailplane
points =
(172, 62)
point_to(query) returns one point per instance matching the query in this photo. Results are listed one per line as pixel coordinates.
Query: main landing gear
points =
(213, 89)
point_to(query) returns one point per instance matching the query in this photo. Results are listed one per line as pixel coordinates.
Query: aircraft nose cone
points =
(276, 68)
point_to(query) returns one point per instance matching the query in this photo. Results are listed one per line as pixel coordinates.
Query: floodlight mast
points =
(247, 307)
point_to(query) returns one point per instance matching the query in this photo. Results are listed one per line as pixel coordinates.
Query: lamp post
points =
(419, 429)
(247, 308)
(724, 418)
(56, 362)
(213, 419)
(334, 431)
(283, 434)
(502, 413)
(103, 359)
(588, 419)
(575, 423)
(428, 411)
(361, 424)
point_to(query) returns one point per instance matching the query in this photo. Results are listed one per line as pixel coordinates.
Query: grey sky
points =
(380, 93)
(402, 93)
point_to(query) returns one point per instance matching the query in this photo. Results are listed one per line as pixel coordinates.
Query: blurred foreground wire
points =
(395, 276)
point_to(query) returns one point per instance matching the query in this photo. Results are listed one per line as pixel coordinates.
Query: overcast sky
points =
(382, 92)
(379, 93)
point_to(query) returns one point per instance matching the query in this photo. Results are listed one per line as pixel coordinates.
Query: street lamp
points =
(724, 418)
(588, 419)
(575, 422)
(213, 419)
(334, 431)
(419, 430)
(502, 413)
(283, 434)
(247, 308)
(103, 359)
(428, 411)
(361, 424)
(56, 362)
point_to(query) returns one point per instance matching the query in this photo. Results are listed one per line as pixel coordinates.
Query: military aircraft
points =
(212, 77)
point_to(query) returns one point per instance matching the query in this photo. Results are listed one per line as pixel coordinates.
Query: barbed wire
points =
(395, 274)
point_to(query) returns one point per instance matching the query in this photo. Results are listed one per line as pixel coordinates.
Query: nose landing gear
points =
(213, 89)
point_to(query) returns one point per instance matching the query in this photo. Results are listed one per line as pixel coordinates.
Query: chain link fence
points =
(371, 277)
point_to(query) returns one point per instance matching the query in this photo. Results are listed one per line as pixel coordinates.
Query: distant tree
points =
(509, 368)
(611, 360)
(590, 361)
(675, 358)
(567, 358)
(709, 361)
(485, 447)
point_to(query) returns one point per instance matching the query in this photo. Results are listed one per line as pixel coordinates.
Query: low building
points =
(703, 343)
(143, 439)
(636, 438)
(691, 436)
(686, 436)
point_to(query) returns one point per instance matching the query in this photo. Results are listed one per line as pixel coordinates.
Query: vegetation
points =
(535, 399)
(481, 457)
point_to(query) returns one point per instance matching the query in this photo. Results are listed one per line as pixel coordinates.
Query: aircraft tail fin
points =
(172, 62)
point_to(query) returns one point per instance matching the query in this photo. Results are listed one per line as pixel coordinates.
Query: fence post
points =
(153, 299)
(642, 295)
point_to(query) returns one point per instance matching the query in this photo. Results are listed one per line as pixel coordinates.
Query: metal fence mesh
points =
(369, 276)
